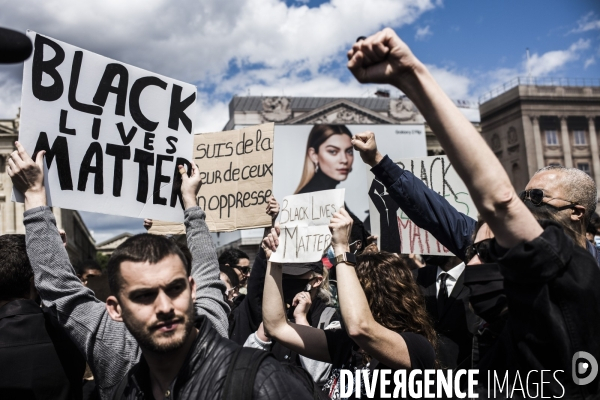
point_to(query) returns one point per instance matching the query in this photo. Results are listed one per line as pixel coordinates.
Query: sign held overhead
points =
(113, 133)
(236, 168)
(304, 224)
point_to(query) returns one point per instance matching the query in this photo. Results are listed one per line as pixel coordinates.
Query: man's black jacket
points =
(456, 324)
(37, 359)
(204, 372)
(551, 287)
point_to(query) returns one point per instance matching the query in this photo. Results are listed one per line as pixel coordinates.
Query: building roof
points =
(255, 103)
(114, 242)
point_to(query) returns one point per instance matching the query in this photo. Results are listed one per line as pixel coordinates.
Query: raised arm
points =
(107, 345)
(205, 266)
(256, 281)
(305, 340)
(425, 207)
(385, 345)
(384, 58)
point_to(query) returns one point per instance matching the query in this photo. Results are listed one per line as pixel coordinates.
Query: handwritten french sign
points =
(236, 168)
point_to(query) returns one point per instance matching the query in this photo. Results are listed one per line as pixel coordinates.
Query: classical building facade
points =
(80, 243)
(376, 110)
(381, 109)
(530, 123)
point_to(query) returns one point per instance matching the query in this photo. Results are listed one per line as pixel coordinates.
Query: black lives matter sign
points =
(113, 133)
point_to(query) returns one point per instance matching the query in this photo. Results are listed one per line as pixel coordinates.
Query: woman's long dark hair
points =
(317, 136)
(394, 298)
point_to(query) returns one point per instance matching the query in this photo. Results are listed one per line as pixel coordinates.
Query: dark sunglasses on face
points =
(536, 196)
(244, 270)
(481, 249)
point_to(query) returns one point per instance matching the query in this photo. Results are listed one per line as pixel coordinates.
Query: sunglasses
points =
(244, 270)
(536, 196)
(481, 249)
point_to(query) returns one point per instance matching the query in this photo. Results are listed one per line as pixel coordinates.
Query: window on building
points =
(579, 137)
(551, 138)
(585, 167)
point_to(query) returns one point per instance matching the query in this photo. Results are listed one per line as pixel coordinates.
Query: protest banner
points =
(304, 223)
(113, 133)
(437, 173)
(237, 177)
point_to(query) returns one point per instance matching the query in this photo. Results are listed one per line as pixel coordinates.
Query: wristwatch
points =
(348, 258)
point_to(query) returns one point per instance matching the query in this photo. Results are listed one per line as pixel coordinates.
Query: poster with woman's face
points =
(319, 157)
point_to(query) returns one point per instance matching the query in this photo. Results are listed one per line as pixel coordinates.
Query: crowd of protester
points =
(174, 321)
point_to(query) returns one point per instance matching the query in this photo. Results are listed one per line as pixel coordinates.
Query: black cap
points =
(15, 47)
(296, 269)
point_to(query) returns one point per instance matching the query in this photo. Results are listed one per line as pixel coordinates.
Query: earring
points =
(316, 167)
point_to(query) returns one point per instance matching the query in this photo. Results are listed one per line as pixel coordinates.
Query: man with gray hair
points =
(565, 195)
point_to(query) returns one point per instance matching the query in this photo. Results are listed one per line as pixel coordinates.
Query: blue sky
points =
(297, 48)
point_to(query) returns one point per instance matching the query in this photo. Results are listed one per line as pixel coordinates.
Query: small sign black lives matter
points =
(113, 133)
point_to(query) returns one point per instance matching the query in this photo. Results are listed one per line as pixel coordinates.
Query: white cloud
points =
(455, 85)
(587, 23)
(10, 87)
(423, 33)
(554, 60)
(190, 39)
(225, 48)
(588, 62)
(198, 41)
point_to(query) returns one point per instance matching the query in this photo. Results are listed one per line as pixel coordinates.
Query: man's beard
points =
(144, 337)
(546, 212)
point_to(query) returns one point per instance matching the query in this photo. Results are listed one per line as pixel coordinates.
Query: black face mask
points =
(543, 211)
(291, 287)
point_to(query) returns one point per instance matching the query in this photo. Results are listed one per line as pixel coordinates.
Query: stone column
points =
(19, 210)
(9, 215)
(594, 146)
(537, 140)
(58, 216)
(564, 132)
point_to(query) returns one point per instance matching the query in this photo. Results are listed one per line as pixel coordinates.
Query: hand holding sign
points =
(270, 242)
(190, 185)
(340, 227)
(273, 208)
(28, 176)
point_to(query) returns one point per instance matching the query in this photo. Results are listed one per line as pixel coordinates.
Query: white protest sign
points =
(113, 133)
(304, 223)
(438, 174)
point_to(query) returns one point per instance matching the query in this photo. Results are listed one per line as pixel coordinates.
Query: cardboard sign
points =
(304, 223)
(237, 177)
(166, 228)
(438, 174)
(113, 133)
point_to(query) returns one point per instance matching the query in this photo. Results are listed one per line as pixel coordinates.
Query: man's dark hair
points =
(230, 273)
(144, 247)
(15, 269)
(593, 226)
(87, 265)
(232, 257)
